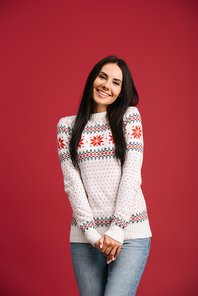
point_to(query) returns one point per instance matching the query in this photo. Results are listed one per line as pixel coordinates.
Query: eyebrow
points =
(113, 78)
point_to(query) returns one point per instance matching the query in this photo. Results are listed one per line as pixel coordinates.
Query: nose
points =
(106, 84)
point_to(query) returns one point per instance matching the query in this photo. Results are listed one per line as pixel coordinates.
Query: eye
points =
(117, 83)
(102, 76)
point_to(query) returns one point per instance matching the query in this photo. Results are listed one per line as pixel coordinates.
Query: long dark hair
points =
(115, 111)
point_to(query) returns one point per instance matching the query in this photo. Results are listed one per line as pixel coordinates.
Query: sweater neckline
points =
(98, 115)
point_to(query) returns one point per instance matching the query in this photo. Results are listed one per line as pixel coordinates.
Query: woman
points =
(101, 152)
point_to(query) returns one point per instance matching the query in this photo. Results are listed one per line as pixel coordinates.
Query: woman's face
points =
(107, 86)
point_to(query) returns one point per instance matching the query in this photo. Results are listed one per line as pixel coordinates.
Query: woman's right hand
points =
(109, 247)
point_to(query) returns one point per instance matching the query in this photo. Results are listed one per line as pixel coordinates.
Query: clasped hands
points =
(109, 247)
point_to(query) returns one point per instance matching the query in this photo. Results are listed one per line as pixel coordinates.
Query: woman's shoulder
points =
(131, 112)
(67, 121)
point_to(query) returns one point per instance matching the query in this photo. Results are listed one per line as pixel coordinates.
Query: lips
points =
(102, 93)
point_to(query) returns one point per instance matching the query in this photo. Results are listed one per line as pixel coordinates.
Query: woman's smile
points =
(102, 93)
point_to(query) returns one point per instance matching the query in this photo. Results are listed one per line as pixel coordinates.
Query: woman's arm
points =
(73, 185)
(131, 177)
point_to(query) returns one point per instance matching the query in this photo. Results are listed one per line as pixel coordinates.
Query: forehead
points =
(112, 70)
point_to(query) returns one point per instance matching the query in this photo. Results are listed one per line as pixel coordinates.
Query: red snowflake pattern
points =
(111, 139)
(81, 143)
(97, 141)
(60, 143)
(137, 132)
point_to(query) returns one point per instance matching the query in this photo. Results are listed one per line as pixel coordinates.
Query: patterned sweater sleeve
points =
(73, 185)
(131, 176)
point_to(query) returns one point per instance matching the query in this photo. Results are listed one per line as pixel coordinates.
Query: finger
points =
(97, 245)
(106, 243)
(117, 252)
(109, 243)
(111, 256)
(101, 241)
(104, 247)
(107, 251)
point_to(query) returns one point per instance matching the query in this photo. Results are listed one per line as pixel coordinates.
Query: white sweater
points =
(104, 201)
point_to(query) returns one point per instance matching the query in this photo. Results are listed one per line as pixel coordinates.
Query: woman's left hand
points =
(109, 247)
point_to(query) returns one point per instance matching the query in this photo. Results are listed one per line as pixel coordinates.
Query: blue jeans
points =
(119, 278)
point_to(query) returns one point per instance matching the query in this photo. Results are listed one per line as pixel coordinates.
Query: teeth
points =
(102, 93)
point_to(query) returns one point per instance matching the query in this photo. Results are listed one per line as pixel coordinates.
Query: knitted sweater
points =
(104, 200)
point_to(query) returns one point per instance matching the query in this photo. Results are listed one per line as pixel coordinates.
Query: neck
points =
(99, 108)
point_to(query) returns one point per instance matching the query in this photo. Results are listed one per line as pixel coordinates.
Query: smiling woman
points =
(101, 153)
(107, 86)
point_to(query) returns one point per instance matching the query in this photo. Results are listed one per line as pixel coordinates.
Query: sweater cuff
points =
(92, 235)
(116, 232)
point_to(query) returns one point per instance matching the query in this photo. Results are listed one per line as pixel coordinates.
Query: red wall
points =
(47, 51)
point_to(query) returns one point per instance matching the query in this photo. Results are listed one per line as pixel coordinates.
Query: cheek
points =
(94, 87)
(96, 83)
(117, 92)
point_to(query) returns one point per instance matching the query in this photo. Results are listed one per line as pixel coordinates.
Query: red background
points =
(47, 50)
